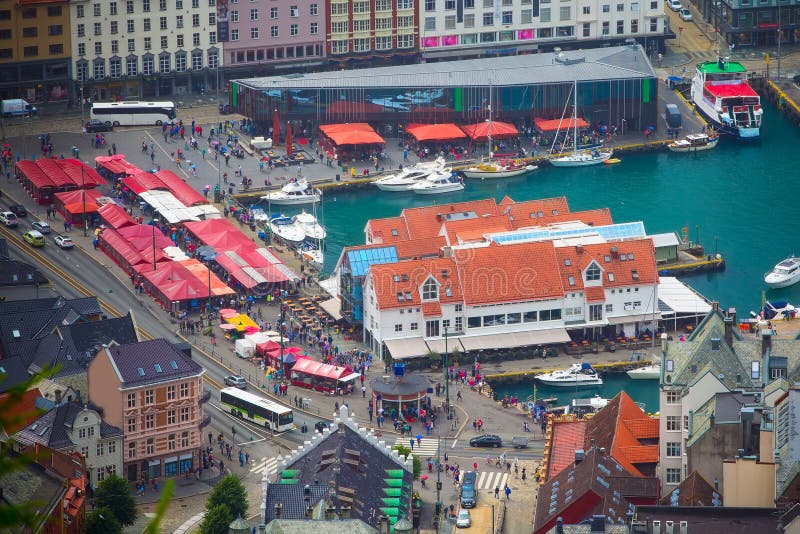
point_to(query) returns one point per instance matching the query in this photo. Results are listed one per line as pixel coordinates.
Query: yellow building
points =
(35, 50)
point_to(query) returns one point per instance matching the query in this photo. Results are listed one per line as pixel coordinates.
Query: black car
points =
(486, 440)
(18, 210)
(98, 126)
(320, 426)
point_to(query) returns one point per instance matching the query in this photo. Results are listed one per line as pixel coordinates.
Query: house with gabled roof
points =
(594, 485)
(344, 472)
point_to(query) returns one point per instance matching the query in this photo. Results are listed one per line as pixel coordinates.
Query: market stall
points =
(115, 216)
(323, 377)
(435, 132)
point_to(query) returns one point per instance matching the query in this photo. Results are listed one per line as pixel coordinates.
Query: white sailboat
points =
(310, 226)
(287, 229)
(579, 158)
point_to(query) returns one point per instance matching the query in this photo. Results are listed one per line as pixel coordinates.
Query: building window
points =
(132, 449)
(673, 397)
(85, 452)
(179, 21)
(620, 27)
(98, 48)
(184, 414)
(112, 447)
(180, 62)
(82, 433)
(29, 13)
(673, 423)
(149, 421)
(131, 400)
(131, 424)
(488, 19)
(100, 448)
(184, 439)
(234, 16)
(673, 475)
(431, 328)
(593, 273)
(162, 23)
(508, 17)
(98, 28)
(254, 14)
(595, 312)
(213, 60)
(313, 10)
(150, 446)
(673, 449)
(407, 4)
(147, 64)
(653, 25)
(96, 10)
(430, 23)
(544, 15)
(195, 21)
(115, 68)
(405, 41)
(197, 61)
(171, 417)
(430, 290)
(195, 39)
(81, 49)
(79, 12)
(254, 33)
(149, 396)
(184, 390)
(314, 29)
(58, 29)
(294, 29)
(273, 31)
(162, 5)
(634, 26)
(171, 392)
(171, 442)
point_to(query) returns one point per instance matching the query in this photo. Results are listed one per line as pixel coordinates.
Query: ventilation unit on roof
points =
(579, 249)
(445, 273)
(614, 251)
(562, 58)
(438, 216)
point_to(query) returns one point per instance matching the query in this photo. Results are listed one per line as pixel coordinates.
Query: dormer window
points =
(635, 274)
(400, 297)
(430, 290)
(408, 296)
(593, 272)
(567, 262)
(610, 277)
(607, 258)
(396, 278)
(394, 232)
(630, 256)
(448, 291)
(555, 212)
(571, 280)
(404, 277)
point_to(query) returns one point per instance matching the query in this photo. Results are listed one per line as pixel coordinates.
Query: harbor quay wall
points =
(786, 105)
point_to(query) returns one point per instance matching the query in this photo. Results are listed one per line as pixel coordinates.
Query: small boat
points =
(612, 161)
(648, 372)
(498, 169)
(582, 159)
(694, 143)
(407, 177)
(785, 274)
(780, 309)
(259, 216)
(581, 407)
(438, 182)
(287, 229)
(576, 375)
(311, 253)
(297, 191)
(310, 226)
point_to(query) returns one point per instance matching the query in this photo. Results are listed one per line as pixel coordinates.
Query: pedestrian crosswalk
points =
(268, 464)
(427, 447)
(489, 480)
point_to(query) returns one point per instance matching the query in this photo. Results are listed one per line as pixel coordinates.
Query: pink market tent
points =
(554, 125)
(53, 170)
(173, 282)
(116, 165)
(323, 370)
(497, 130)
(200, 271)
(35, 181)
(87, 178)
(182, 191)
(142, 181)
(115, 217)
(435, 132)
(141, 237)
(119, 250)
(267, 347)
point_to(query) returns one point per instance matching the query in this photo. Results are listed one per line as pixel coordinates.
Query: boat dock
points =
(525, 376)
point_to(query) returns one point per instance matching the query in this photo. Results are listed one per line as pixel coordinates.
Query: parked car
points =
(674, 5)
(64, 241)
(486, 440)
(41, 226)
(463, 520)
(98, 126)
(34, 238)
(18, 210)
(685, 14)
(9, 219)
(236, 381)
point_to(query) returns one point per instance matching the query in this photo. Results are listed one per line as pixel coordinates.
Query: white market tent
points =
(677, 300)
(173, 210)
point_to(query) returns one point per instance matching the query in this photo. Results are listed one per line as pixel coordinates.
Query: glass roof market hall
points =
(613, 84)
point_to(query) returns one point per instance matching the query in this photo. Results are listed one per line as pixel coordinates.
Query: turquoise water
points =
(744, 197)
(641, 391)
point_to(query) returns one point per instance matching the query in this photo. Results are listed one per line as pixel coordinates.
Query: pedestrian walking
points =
(497, 492)
(459, 397)
(411, 441)
(508, 493)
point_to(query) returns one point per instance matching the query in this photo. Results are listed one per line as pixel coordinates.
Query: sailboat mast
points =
(575, 120)
(489, 129)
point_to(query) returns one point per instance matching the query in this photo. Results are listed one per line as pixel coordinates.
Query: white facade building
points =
(469, 27)
(144, 48)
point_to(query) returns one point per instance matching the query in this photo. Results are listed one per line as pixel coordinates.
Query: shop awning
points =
(435, 132)
(623, 319)
(438, 345)
(351, 376)
(675, 297)
(482, 130)
(516, 339)
(407, 347)
(351, 134)
(553, 125)
(332, 307)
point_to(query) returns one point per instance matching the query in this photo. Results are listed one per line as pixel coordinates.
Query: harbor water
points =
(738, 199)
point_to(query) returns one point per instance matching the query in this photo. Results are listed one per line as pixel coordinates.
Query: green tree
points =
(230, 493)
(102, 521)
(216, 520)
(405, 451)
(115, 493)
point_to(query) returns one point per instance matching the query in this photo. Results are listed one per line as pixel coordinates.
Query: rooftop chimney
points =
(580, 454)
(766, 341)
(309, 512)
(344, 512)
(383, 524)
(278, 510)
(715, 343)
(560, 525)
(729, 331)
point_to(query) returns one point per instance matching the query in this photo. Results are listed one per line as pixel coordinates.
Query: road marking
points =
(453, 446)
(270, 465)
(428, 447)
(251, 442)
(489, 480)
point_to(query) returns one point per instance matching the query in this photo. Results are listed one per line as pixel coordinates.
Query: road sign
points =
(766, 58)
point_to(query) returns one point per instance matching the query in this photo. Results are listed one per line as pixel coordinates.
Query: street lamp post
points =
(779, 42)
(446, 375)
(83, 121)
(283, 319)
(153, 225)
(83, 198)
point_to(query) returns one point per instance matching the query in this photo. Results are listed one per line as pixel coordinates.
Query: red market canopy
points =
(435, 132)
(142, 181)
(34, 174)
(52, 169)
(314, 368)
(553, 125)
(358, 133)
(182, 191)
(200, 271)
(481, 131)
(116, 164)
(176, 282)
(115, 217)
(77, 208)
(87, 178)
(76, 197)
(141, 237)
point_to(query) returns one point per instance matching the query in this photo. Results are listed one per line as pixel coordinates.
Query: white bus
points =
(255, 409)
(133, 113)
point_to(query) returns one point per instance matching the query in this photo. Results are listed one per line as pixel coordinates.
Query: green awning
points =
(393, 492)
(289, 481)
(393, 482)
(290, 473)
(394, 473)
(389, 501)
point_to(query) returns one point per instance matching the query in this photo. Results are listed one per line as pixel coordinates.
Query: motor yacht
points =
(438, 182)
(405, 179)
(297, 191)
(576, 375)
(786, 273)
(310, 226)
(287, 229)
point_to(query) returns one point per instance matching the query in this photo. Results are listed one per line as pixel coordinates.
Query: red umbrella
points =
(276, 127)
(251, 330)
(289, 139)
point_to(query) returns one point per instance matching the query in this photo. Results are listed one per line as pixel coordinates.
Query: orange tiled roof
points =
(641, 454)
(643, 262)
(530, 210)
(431, 309)
(595, 294)
(643, 428)
(497, 273)
(598, 217)
(383, 230)
(419, 248)
(425, 222)
(568, 436)
(471, 229)
(405, 278)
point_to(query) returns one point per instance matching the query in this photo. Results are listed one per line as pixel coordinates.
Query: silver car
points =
(236, 381)
(463, 520)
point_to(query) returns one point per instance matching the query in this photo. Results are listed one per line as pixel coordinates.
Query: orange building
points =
(35, 50)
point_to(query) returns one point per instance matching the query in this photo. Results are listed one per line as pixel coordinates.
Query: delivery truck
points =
(17, 107)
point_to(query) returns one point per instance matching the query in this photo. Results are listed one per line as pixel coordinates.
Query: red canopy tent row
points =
(435, 132)
(322, 376)
(172, 284)
(114, 167)
(72, 204)
(496, 130)
(357, 133)
(44, 177)
(124, 254)
(554, 125)
(114, 216)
